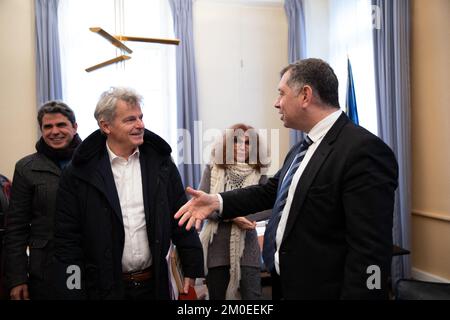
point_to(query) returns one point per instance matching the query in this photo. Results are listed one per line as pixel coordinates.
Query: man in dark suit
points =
(330, 234)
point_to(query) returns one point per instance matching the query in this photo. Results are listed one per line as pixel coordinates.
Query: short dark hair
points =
(55, 106)
(319, 75)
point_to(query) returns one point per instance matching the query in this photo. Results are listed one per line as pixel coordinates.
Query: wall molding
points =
(426, 276)
(431, 215)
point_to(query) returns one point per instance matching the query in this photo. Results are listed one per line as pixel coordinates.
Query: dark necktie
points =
(271, 229)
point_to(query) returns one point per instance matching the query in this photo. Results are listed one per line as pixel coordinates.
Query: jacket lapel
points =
(287, 163)
(99, 174)
(311, 170)
(108, 186)
(149, 169)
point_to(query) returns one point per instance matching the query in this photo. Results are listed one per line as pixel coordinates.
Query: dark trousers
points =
(40, 289)
(139, 290)
(249, 287)
(277, 294)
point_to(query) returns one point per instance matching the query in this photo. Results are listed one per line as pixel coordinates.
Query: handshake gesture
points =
(197, 209)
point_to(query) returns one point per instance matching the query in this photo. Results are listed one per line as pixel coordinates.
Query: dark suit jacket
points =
(340, 221)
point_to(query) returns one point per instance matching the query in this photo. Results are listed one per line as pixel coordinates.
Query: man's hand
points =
(20, 292)
(197, 209)
(244, 223)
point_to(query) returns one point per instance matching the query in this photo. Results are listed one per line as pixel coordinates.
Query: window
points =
(350, 34)
(150, 71)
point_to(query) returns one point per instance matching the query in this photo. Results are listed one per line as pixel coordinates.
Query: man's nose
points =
(55, 130)
(276, 104)
(140, 123)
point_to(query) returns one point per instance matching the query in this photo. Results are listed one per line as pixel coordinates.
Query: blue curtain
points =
(296, 44)
(392, 78)
(187, 112)
(48, 65)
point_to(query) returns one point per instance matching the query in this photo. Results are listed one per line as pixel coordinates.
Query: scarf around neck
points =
(233, 177)
(58, 156)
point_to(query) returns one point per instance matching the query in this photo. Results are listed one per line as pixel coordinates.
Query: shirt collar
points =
(113, 156)
(321, 128)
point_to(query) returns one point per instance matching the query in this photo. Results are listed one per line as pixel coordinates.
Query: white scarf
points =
(233, 177)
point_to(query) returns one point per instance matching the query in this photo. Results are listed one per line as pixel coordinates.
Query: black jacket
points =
(30, 223)
(340, 220)
(89, 227)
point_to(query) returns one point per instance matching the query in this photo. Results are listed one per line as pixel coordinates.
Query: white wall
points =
(240, 48)
(18, 128)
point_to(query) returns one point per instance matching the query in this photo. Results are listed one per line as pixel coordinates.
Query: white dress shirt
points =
(316, 134)
(127, 177)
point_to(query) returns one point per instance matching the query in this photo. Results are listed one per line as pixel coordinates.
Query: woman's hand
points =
(244, 223)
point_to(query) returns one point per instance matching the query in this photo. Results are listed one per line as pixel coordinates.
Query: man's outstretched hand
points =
(197, 209)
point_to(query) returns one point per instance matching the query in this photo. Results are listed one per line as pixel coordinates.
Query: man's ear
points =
(307, 93)
(75, 126)
(104, 126)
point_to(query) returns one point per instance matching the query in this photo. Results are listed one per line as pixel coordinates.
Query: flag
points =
(352, 111)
